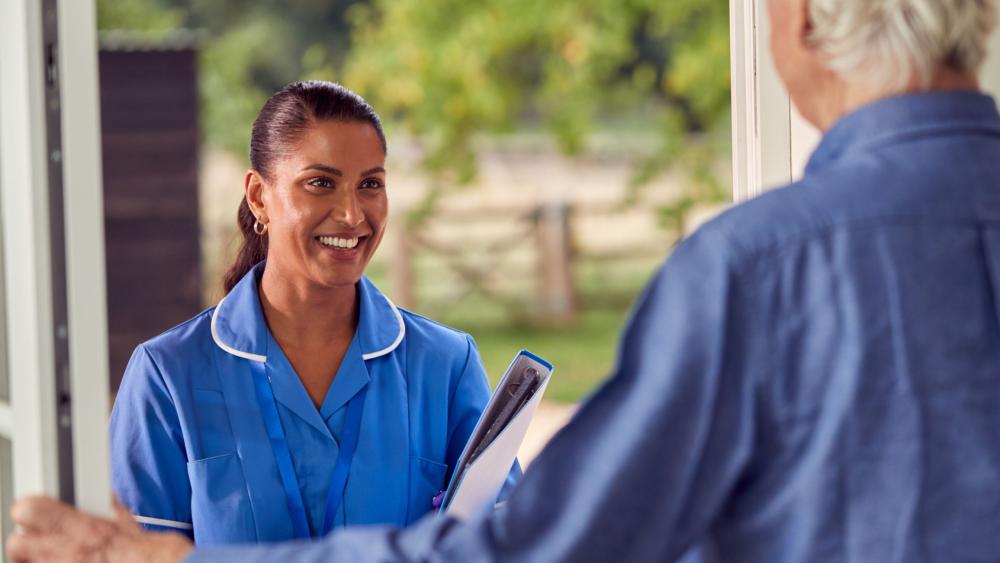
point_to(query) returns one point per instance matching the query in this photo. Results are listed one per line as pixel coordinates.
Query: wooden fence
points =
(478, 265)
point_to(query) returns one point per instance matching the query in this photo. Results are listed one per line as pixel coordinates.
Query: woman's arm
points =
(148, 459)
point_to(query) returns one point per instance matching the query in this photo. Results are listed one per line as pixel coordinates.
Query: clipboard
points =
(490, 453)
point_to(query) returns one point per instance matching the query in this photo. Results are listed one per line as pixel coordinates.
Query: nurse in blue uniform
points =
(305, 400)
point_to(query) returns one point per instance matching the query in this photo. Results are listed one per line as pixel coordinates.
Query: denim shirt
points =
(814, 376)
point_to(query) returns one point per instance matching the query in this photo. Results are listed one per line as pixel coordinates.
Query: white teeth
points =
(338, 242)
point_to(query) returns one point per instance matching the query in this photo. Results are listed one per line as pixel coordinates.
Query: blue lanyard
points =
(348, 444)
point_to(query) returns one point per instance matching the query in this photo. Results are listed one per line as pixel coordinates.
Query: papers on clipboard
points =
(492, 449)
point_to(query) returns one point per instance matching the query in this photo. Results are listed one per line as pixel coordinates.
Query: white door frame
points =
(990, 74)
(85, 243)
(25, 232)
(771, 142)
(32, 334)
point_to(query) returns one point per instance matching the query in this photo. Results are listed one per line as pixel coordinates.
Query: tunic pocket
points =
(214, 436)
(426, 481)
(220, 507)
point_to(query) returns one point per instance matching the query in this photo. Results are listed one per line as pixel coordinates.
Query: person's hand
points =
(51, 531)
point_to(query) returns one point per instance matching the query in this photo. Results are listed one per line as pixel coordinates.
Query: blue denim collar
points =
(896, 119)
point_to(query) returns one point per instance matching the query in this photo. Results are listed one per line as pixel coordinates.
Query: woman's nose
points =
(347, 209)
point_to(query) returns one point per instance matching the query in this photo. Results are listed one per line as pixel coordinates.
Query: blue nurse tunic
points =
(190, 447)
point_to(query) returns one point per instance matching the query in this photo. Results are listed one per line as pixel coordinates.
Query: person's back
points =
(814, 376)
(869, 300)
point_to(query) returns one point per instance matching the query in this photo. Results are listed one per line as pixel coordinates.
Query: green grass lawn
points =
(582, 354)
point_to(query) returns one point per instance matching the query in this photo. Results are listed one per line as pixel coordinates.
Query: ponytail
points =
(253, 248)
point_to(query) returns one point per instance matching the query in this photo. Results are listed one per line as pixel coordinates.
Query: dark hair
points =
(280, 123)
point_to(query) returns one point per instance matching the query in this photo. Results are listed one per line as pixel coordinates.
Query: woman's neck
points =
(305, 315)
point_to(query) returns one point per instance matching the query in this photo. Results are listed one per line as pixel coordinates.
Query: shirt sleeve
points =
(645, 468)
(468, 403)
(660, 447)
(148, 460)
(362, 544)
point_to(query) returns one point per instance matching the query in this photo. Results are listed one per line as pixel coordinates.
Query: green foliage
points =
(148, 16)
(256, 49)
(583, 353)
(251, 49)
(448, 70)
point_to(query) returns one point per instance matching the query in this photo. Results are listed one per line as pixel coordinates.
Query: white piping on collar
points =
(259, 358)
(231, 350)
(164, 523)
(399, 337)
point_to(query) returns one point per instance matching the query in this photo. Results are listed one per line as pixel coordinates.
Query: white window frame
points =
(85, 263)
(990, 75)
(30, 419)
(771, 142)
(23, 196)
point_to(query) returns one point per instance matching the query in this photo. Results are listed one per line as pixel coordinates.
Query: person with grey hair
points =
(811, 377)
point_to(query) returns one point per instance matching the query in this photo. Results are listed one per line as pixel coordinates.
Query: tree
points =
(249, 50)
(448, 70)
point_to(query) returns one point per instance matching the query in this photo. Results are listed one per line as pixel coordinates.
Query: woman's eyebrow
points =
(336, 172)
(322, 168)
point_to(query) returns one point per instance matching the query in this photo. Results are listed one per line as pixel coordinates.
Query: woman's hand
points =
(56, 532)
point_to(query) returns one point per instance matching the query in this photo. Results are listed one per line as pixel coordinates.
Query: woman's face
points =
(325, 205)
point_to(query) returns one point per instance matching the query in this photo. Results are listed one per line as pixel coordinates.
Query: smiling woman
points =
(327, 210)
(305, 400)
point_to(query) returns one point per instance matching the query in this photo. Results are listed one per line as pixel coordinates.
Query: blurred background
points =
(544, 157)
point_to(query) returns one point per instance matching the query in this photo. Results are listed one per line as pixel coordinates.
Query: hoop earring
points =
(259, 228)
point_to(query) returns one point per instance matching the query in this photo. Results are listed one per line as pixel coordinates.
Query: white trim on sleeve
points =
(165, 523)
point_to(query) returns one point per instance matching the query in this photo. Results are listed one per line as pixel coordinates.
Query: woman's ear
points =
(253, 187)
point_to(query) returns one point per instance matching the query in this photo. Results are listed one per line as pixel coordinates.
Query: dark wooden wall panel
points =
(150, 139)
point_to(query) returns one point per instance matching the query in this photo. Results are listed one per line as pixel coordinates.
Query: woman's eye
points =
(320, 183)
(371, 184)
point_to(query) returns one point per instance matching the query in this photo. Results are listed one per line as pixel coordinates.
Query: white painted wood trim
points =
(85, 264)
(6, 421)
(804, 138)
(762, 113)
(27, 276)
(990, 74)
(742, 34)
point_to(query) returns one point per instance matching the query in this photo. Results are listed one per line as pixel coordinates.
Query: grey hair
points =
(889, 44)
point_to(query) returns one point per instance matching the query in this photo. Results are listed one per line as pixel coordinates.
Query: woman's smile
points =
(339, 242)
(346, 248)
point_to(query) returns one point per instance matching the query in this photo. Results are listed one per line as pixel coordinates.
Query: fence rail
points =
(482, 248)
